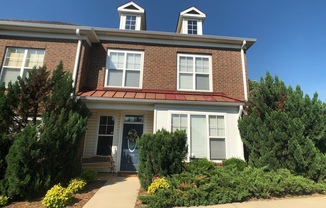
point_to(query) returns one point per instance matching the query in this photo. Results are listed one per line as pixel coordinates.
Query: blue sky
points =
(290, 33)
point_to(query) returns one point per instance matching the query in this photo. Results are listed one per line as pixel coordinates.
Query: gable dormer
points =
(191, 21)
(132, 17)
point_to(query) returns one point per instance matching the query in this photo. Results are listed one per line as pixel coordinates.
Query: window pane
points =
(221, 126)
(186, 64)
(202, 65)
(115, 77)
(192, 27)
(116, 60)
(14, 57)
(133, 61)
(34, 58)
(104, 145)
(179, 121)
(131, 118)
(102, 130)
(109, 130)
(216, 126)
(186, 81)
(217, 149)
(110, 120)
(103, 120)
(10, 75)
(175, 121)
(202, 82)
(198, 135)
(130, 22)
(132, 78)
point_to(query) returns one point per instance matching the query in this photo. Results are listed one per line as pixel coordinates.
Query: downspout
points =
(241, 146)
(74, 76)
(244, 71)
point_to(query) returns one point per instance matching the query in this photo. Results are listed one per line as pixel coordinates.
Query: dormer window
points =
(192, 27)
(132, 17)
(130, 22)
(191, 21)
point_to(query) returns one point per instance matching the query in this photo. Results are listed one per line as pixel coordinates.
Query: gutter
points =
(77, 59)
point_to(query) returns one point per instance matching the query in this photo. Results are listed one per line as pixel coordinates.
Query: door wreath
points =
(132, 140)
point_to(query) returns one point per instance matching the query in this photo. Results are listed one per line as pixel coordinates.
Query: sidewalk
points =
(117, 192)
(299, 202)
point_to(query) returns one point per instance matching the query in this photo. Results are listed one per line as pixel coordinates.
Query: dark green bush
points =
(226, 185)
(160, 153)
(236, 163)
(201, 166)
(26, 174)
(88, 174)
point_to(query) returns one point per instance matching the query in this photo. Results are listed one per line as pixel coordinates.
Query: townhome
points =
(138, 81)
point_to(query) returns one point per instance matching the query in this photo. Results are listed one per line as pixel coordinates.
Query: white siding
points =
(149, 122)
(234, 145)
(90, 141)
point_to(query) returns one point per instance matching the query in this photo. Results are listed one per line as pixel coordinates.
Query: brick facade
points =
(160, 67)
(55, 51)
(160, 63)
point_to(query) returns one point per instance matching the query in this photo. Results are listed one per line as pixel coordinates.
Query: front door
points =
(132, 130)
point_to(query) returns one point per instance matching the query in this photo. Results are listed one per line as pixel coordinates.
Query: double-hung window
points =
(130, 22)
(194, 72)
(105, 135)
(217, 137)
(206, 134)
(18, 61)
(124, 69)
(192, 27)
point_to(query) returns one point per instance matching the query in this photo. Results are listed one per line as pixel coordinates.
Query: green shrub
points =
(201, 166)
(235, 162)
(76, 185)
(88, 174)
(160, 153)
(226, 185)
(56, 197)
(159, 183)
(3, 200)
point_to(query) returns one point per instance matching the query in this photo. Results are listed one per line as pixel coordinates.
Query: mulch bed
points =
(78, 200)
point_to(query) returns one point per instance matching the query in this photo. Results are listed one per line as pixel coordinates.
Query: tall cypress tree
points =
(282, 128)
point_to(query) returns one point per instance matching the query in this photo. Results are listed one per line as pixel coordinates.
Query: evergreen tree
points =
(44, 151)
(283, 129)
(6, 118)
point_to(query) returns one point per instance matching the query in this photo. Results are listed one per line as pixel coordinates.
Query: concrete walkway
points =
(299, 202)
(121, 192)
(117, 192)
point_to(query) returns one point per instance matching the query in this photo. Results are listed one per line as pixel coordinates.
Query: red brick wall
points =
(55, 50)
(160, 62)
(160, 66)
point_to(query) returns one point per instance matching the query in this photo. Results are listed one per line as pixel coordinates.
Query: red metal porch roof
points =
(157, 95)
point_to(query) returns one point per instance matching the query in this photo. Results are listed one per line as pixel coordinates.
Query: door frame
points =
(123, 114)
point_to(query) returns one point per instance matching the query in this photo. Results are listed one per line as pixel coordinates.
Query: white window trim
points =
(199, 26)
(22, 68)
(207, 114)
(194, 56)
(113, 148)
(217, 137)
(124, 18)
(124, 69)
